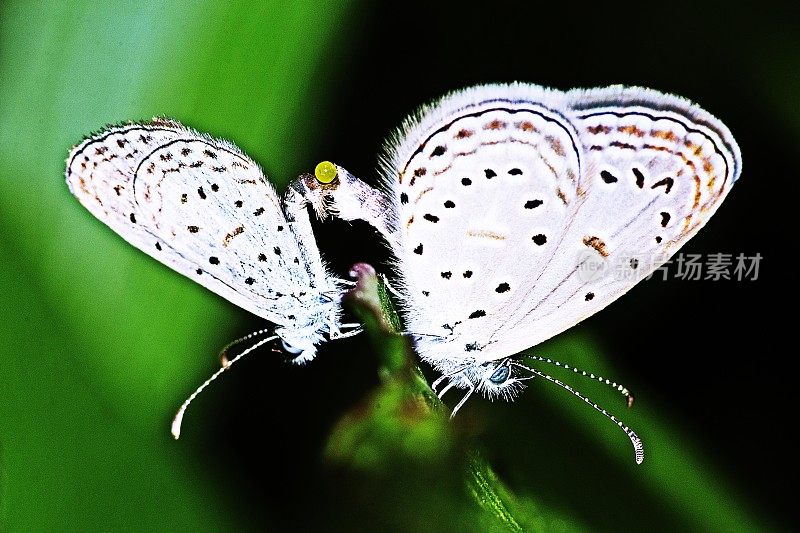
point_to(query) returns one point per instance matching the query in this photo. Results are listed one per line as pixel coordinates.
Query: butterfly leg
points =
(437, 382)
(463, 400)
(389, 286)
(355, 329)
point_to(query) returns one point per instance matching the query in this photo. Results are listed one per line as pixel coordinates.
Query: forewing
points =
(198, 205)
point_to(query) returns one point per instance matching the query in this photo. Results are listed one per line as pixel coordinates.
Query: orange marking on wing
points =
(664, 134)
(423, 193)
(550, 167)
(496, 124)
(525, 125)
(594, 130)
(229, 237)
(631, 130)
(486, 234)
(555, 145)
(571, 175)
(597, 244)
(697, 193)
(464, 133)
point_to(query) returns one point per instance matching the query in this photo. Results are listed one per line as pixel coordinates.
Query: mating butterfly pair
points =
(512, 211)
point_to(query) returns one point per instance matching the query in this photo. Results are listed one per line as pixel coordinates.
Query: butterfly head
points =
(493, 379)
(298, 345)
(501, 379)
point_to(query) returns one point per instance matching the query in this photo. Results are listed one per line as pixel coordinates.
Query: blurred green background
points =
(100, 344)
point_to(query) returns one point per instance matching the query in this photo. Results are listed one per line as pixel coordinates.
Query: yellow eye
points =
(325, 172)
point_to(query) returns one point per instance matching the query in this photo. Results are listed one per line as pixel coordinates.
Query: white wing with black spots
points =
(202, 207)
(508, 196)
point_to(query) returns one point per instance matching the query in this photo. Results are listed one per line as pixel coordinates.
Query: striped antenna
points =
(638, 448)
(176, 422)
(613, 384)
(223, 354)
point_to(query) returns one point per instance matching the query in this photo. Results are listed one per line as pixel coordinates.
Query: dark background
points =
(710, 362)
(716, 354)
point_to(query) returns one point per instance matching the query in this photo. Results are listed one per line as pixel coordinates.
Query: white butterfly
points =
(202, 207)
(516, 211)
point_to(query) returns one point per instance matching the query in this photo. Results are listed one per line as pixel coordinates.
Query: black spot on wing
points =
(532, 204)
(608, 177)
(639, 178)
(667, 183)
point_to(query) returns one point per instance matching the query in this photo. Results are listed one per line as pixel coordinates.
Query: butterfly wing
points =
(524, 210)
(202, 207)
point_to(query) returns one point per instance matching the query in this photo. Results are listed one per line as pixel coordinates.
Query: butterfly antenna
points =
(223, 354)
(638, 448)
(613, 384)
(176, 422)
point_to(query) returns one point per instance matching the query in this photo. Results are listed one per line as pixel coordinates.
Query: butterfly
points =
(513, 212)
(202, 207)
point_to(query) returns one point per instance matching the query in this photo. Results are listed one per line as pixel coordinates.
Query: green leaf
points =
(96, 353)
